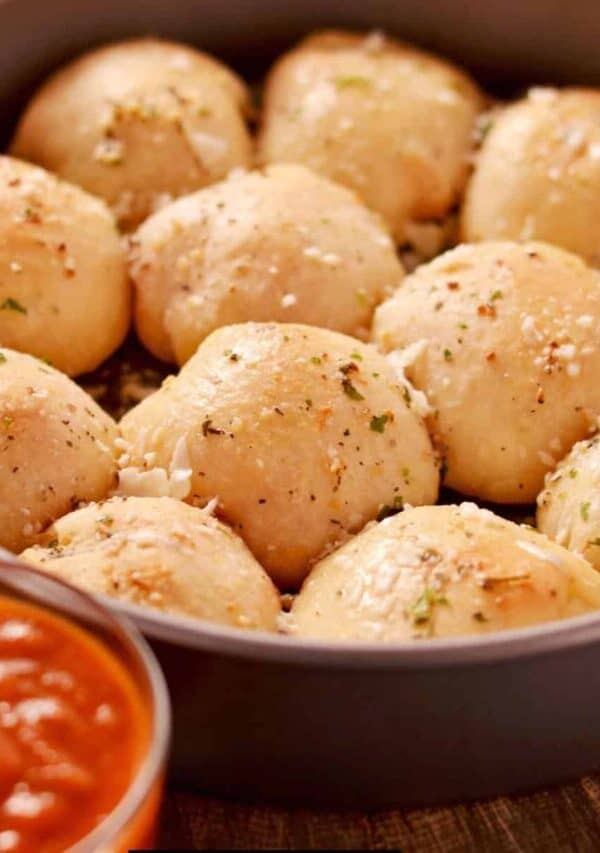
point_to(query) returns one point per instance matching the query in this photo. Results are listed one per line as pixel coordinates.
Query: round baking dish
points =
(273, 718)
(361, 725)
(133, 821)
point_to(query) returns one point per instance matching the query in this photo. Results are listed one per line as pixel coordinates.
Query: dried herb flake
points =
(584, 510)
(11, 304)
(378, 423)
(350, 390)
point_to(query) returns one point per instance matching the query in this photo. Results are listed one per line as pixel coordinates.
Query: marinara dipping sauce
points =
(75, 728)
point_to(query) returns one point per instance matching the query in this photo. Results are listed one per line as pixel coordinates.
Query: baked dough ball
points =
(538, 175)
(136, 121)
(503, 341)
(64, 293)
(301, 433)
(442, 571)
(160, 553)
(283, 244)
(56, 448)
(391, 122)
(569, 506)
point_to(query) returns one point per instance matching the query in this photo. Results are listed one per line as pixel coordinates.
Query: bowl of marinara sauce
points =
(84, 722)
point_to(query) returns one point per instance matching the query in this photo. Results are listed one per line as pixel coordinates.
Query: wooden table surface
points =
(562, 819)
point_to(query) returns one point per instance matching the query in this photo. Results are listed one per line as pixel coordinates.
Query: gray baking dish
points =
(267, 717)
(370, 726)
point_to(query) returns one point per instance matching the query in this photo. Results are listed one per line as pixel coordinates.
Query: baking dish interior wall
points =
(505, 44)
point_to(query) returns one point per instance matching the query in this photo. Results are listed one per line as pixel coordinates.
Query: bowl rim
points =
(150, 770)
(448, 652)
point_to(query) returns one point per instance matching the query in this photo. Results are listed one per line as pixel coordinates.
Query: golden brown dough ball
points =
(504, 344)
(64, 293)
(569, 506)
(442, 571)
(302, 434)
(56, 448)
(391, 122)
(136, 122)
(160, 553)
(283, 244)
(538, 174)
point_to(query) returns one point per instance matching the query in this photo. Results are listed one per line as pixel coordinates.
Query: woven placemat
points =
(561, 819)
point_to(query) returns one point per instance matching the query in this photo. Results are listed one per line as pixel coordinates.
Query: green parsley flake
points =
(584, 510)
(349, 81)
(11, 304)
(448, 354)
(378, 423)
(387, 510)
(422, 610)
(497, 294)
(350, 390)
(2, 358)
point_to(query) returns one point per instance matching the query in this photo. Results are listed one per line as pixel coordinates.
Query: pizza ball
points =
(283, 244)
(391, 122)
(301, 434)
(138, 122)
(503, 341)
(160, 553)
(538, 174)
(56, 448)
(569, 506)
(60, 254)
(442, 571)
